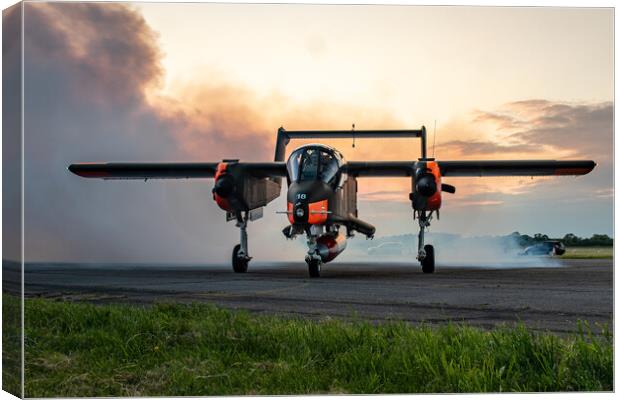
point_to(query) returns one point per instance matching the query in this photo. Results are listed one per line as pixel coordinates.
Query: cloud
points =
(502, 120)
(586, 129)
(568, 129)
(110, 51)
(92, 72)
(90, 69)
(485, 148)
(583, 129)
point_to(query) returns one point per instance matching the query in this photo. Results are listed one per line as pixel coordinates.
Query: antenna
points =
(353, 133)
(434, 136)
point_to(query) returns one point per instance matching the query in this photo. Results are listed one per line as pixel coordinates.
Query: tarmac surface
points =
(544, 298)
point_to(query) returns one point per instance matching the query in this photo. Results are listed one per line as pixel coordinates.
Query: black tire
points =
(428, 264)
(314, 268)
(239, 264)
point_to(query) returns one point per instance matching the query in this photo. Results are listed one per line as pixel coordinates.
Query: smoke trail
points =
(450, 251)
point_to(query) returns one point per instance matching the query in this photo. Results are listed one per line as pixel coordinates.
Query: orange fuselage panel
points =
(317, 212)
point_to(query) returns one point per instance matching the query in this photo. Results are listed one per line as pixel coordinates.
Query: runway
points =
(543, 298)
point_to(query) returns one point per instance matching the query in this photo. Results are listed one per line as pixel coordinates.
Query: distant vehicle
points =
(548, 247)
(386, 249)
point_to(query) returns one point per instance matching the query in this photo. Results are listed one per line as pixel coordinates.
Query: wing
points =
(515, 167)
(473, 168)
(171, 170)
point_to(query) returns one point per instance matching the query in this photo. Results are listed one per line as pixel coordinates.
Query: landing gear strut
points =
(426, 253)
(313, 259)
(240, 256)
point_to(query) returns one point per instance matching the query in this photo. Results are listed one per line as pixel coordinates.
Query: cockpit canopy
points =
(315, 162)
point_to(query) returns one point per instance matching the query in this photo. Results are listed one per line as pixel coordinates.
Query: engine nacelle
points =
(426, 187)
(224, 187)
(235, 188)
(330, 245)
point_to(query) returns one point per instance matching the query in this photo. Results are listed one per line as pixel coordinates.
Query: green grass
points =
(589, 252)
(79, 349)
(11, 345)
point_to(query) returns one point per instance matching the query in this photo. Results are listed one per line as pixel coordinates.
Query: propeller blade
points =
(448, 188)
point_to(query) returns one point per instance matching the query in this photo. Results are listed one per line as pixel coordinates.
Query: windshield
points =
(329, 167)
(310, 164)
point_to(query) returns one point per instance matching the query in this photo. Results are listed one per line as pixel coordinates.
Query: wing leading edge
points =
(474, 168)
(515, 167)
(170, 170)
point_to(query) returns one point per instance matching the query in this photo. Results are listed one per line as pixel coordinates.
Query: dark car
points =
(548, 247)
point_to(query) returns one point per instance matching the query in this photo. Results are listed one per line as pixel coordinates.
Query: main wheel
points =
(314, 268)
(239, 264)
(428, 263)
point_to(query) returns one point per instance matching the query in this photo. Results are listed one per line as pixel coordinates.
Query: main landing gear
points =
(240, 256)
(426, 253)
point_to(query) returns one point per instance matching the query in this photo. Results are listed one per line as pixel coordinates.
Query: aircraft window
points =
(293, 165)
(329, 167)
(309, 165)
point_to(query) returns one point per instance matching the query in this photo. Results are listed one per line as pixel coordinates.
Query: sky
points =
(204, 82)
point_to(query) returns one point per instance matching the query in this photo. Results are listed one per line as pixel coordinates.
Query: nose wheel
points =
(314, 267)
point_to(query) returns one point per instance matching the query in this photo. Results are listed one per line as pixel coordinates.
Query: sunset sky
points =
(203, 82)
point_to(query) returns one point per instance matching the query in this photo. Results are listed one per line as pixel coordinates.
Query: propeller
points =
(224, 186)
(425, 185)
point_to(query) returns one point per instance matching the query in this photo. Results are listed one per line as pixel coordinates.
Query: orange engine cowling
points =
(426, 193)
(223, 187)
(330, 245)
(434, 201)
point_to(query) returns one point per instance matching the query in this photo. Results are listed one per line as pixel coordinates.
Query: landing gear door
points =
(256, 213)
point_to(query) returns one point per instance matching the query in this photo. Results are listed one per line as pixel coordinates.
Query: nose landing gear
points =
(313, 259)
(314, 267)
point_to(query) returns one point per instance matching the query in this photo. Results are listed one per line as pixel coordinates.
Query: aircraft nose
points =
(300, 212)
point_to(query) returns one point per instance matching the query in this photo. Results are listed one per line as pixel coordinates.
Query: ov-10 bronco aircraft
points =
(322, 188)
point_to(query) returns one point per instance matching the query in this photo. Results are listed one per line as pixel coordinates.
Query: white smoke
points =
(450, 251)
